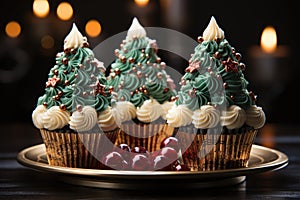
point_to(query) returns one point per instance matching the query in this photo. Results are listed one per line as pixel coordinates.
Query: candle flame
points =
(141, 3)
(268, 39)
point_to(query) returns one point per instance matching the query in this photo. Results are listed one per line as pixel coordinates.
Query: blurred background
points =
(32, 32)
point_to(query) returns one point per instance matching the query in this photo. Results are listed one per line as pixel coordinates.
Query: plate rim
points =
(279, 163)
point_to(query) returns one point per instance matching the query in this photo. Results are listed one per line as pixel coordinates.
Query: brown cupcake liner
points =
(78, 150)
(213, 151)
(148, 136)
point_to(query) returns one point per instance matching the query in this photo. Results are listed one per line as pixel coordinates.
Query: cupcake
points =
(215, 116)
(74, 115)
(143, 91)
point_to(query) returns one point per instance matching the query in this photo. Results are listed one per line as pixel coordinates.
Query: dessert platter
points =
(127, 127)
(262, 159)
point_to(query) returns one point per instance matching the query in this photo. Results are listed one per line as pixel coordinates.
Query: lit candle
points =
(268, 68)
(269, 61)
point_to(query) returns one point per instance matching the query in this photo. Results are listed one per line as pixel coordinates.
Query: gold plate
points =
(262, 159)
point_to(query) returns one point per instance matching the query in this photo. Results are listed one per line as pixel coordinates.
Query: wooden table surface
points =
(20, 182)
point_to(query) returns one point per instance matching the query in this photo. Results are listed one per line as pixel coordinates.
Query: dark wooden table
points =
(19, 182)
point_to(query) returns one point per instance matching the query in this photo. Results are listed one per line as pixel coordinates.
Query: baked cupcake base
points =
(79, 150)
(216, 149)
(146, 135)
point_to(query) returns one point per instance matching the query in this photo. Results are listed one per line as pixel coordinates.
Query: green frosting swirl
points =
(187, 96)
(134, 50)
(159, 90)
(76, 79)
(138, 74)
(215, 76)
(130, 82)
(138, 99)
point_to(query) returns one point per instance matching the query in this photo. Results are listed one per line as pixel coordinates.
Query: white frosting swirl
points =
(179, 116)
(213, 31)
(206, 117)
(255, 117)
(37, 116)
(135, 30)
(74, 39)
(106, 120)
(167, 105)
(233, 118)
(84, 119)
(150, 111)
(123, 111)
(55, 118)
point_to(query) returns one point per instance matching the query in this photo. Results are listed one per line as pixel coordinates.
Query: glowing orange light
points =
(41, 8)
(64, 11)
(93, 28)
(141, 3)
(47, 42)
(268, 40)
(13, 29)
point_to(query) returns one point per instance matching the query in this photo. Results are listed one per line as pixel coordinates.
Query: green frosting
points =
(138, 73)
(77, 78)
(215, 76)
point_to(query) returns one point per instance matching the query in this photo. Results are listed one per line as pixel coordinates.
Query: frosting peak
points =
(136, 30)
(213, 31)
(74, 39)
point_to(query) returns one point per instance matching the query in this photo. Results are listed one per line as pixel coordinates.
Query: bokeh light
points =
(13, 29)
(41, 8)
(64, 11)
(93, 28)
(47, 42)
(141, 3)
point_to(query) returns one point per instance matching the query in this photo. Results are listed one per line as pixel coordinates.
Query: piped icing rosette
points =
(179, 115)
(206, 117)
(83, 118)
(76, 93)
(143, 89)
(213, 89)
(150, 111)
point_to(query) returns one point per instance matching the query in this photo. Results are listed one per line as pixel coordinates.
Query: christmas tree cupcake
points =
(144, 92)
(74, 115)
(215, 115)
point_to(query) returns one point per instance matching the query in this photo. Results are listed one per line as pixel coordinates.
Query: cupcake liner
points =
(79, 150)
(215, 151)
(148, 136)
